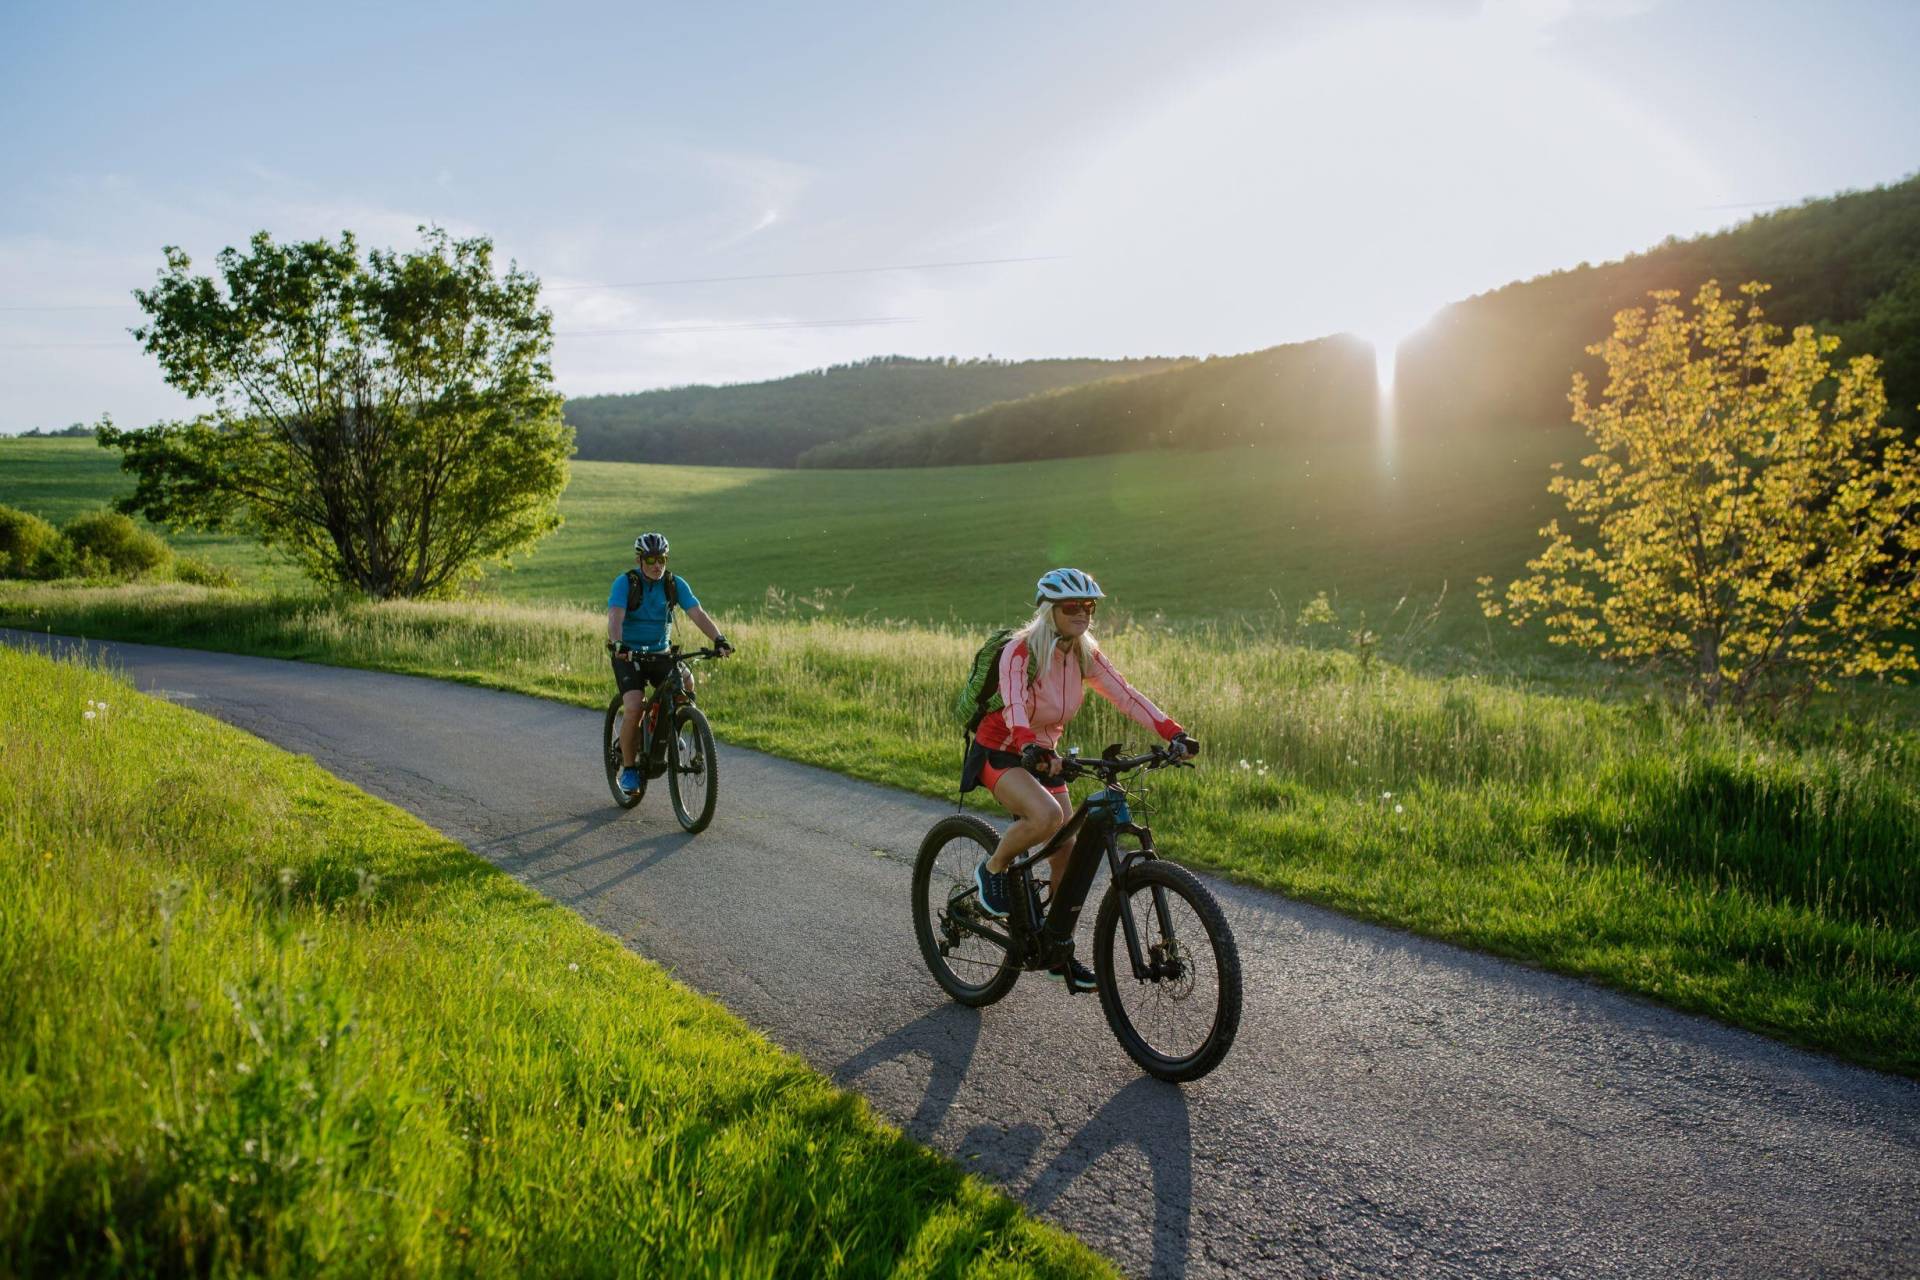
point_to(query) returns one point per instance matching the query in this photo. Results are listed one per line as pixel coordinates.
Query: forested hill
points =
(770, 424)
(1282, 392)
(1849, 264)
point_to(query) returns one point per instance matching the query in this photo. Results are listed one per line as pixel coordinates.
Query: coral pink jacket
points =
(1040, 711)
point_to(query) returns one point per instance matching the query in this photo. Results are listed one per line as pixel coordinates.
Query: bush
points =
(29, 546)
(199, 573)
(107, 544)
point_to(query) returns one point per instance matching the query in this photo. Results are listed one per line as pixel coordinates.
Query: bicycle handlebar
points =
(676, 653)
(1109, 768)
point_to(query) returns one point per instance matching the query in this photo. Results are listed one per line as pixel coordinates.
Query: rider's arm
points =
(615, 617)
(1111, 685)
(1013, 693)
(698, 617)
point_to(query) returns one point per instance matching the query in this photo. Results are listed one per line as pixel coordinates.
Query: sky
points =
(1118, 178)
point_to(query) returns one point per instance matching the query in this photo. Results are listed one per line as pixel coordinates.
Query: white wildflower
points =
(573, 968)
(87, 714)
(1399, 808)
(1386, 795)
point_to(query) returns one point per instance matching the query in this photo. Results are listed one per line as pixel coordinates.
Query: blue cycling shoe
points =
(993, 889)
(630, 779)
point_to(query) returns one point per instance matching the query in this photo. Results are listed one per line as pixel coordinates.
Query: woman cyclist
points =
(1045, 670)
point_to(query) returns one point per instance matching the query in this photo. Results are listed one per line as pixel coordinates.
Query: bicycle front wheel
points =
(693, 775)
(610, 754)
(970, 966)
(1179, 1020)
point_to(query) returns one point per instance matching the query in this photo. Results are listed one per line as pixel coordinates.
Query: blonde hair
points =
(1041, 636)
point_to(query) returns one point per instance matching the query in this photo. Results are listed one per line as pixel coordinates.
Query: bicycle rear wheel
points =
(693, 774)
(1179, 1022)
(610, 754)
(974, 970)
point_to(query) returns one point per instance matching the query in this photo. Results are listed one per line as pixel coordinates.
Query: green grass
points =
(253, 1021)
(1766, 878)
(1207, 536)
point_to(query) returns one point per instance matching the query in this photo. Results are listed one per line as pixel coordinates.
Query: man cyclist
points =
(639, 621)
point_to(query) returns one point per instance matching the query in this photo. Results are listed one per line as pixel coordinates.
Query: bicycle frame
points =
(675, 690)
(1042, 940)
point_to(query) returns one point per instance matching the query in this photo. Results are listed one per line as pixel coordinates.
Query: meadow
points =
(1215, 536)
(1761, 875)
(256, 1022)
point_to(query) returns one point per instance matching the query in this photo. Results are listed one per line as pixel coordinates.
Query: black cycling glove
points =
(721, 646)
(1036, 758)
(1190, 745)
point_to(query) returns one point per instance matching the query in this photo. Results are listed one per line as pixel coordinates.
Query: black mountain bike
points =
(1167, 967)
(684, 753)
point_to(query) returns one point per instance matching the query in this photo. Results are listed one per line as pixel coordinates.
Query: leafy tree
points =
(390, 421)
(1749, 516)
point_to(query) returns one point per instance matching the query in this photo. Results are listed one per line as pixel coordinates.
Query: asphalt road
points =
(1393, 1106)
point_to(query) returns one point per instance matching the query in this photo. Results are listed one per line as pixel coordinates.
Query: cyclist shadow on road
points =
(537, 865)
(1151, 1115)
(1147, 1114)
(946, 1037)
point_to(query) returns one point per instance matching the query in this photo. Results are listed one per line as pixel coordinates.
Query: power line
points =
(745, 324)
(859, 322)
(646, 284)
(800, 275)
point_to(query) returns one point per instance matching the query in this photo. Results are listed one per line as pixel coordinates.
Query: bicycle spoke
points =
(1173, 1012)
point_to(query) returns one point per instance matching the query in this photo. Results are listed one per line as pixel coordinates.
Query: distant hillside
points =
(1321, 387)
(1849, 264)
(770, 424)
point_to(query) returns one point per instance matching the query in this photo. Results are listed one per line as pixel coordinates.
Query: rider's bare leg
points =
(633, 700)
(1037, 816)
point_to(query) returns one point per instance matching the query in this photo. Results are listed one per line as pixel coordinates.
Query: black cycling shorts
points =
(978, 757)
(635, 677)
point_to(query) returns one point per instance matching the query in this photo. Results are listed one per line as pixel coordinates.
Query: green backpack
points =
(980, 696)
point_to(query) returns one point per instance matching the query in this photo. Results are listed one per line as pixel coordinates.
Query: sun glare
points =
(1385, 338)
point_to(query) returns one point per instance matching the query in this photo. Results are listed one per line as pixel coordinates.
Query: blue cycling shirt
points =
(646, 626)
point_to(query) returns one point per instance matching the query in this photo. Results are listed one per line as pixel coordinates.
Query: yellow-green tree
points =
(1748, 518)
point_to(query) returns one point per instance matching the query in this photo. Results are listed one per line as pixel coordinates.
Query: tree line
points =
(1316, 388)
(1849, 265)
(770, 424)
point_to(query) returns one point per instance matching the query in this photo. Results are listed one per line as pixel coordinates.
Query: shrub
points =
(29, 546)
(199, 573)
(109, 545)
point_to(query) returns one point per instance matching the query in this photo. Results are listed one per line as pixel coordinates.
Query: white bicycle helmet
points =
(650, 544)
(1067, 584)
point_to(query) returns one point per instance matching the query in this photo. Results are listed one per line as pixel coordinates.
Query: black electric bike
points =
(1167, 968)
(684, 753)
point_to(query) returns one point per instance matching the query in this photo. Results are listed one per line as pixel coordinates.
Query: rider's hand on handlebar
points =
(1036, 758)
(721, 647)
(1184, 746)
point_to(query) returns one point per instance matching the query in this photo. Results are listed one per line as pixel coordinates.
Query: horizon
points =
(710, 207)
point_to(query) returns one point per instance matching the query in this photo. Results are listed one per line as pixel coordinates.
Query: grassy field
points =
(253, 1021)
(1241, 534)
(1762, 877)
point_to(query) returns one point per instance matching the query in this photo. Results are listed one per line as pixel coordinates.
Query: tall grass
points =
(1763, 877)
(253, 1021)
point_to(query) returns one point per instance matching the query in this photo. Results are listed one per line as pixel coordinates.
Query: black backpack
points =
(637, 587)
